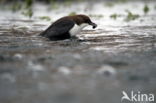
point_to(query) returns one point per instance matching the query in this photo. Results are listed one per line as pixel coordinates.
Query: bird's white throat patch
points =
(77, 29)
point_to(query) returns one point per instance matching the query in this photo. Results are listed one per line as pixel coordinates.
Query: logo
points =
(137, 97)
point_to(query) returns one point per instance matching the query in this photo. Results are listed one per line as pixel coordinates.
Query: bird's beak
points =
(93, 24)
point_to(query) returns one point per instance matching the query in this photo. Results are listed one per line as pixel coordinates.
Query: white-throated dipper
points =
(67, 27)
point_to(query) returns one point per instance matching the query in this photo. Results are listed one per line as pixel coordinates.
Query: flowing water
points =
(117, 56)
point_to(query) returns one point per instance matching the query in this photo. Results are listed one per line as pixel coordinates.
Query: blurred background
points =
(119, 55)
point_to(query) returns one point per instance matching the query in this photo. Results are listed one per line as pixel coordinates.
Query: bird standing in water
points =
(67, 27)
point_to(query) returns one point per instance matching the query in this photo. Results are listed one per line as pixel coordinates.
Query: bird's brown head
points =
(80, 19)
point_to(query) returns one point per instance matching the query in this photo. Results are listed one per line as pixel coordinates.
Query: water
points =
(116, 56)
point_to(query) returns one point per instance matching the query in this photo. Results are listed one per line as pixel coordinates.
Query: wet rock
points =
(45, 58)
(117, 63)
(5, 58)
(64, 70)
(8, 77)
(19, 56)
(35, 67)
(107, 71)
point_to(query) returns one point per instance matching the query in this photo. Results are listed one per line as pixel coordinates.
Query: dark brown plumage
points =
(66, 27)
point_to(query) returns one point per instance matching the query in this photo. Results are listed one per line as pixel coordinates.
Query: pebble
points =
(64, 70)
(107, 70)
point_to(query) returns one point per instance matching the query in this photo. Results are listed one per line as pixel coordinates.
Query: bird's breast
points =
(76, 29)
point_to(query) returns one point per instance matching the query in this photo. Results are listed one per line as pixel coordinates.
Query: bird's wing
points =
(58, 28)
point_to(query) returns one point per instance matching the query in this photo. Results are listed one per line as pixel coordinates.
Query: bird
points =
(67, 27)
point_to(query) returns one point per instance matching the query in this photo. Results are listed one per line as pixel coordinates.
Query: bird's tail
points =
(42, 33)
